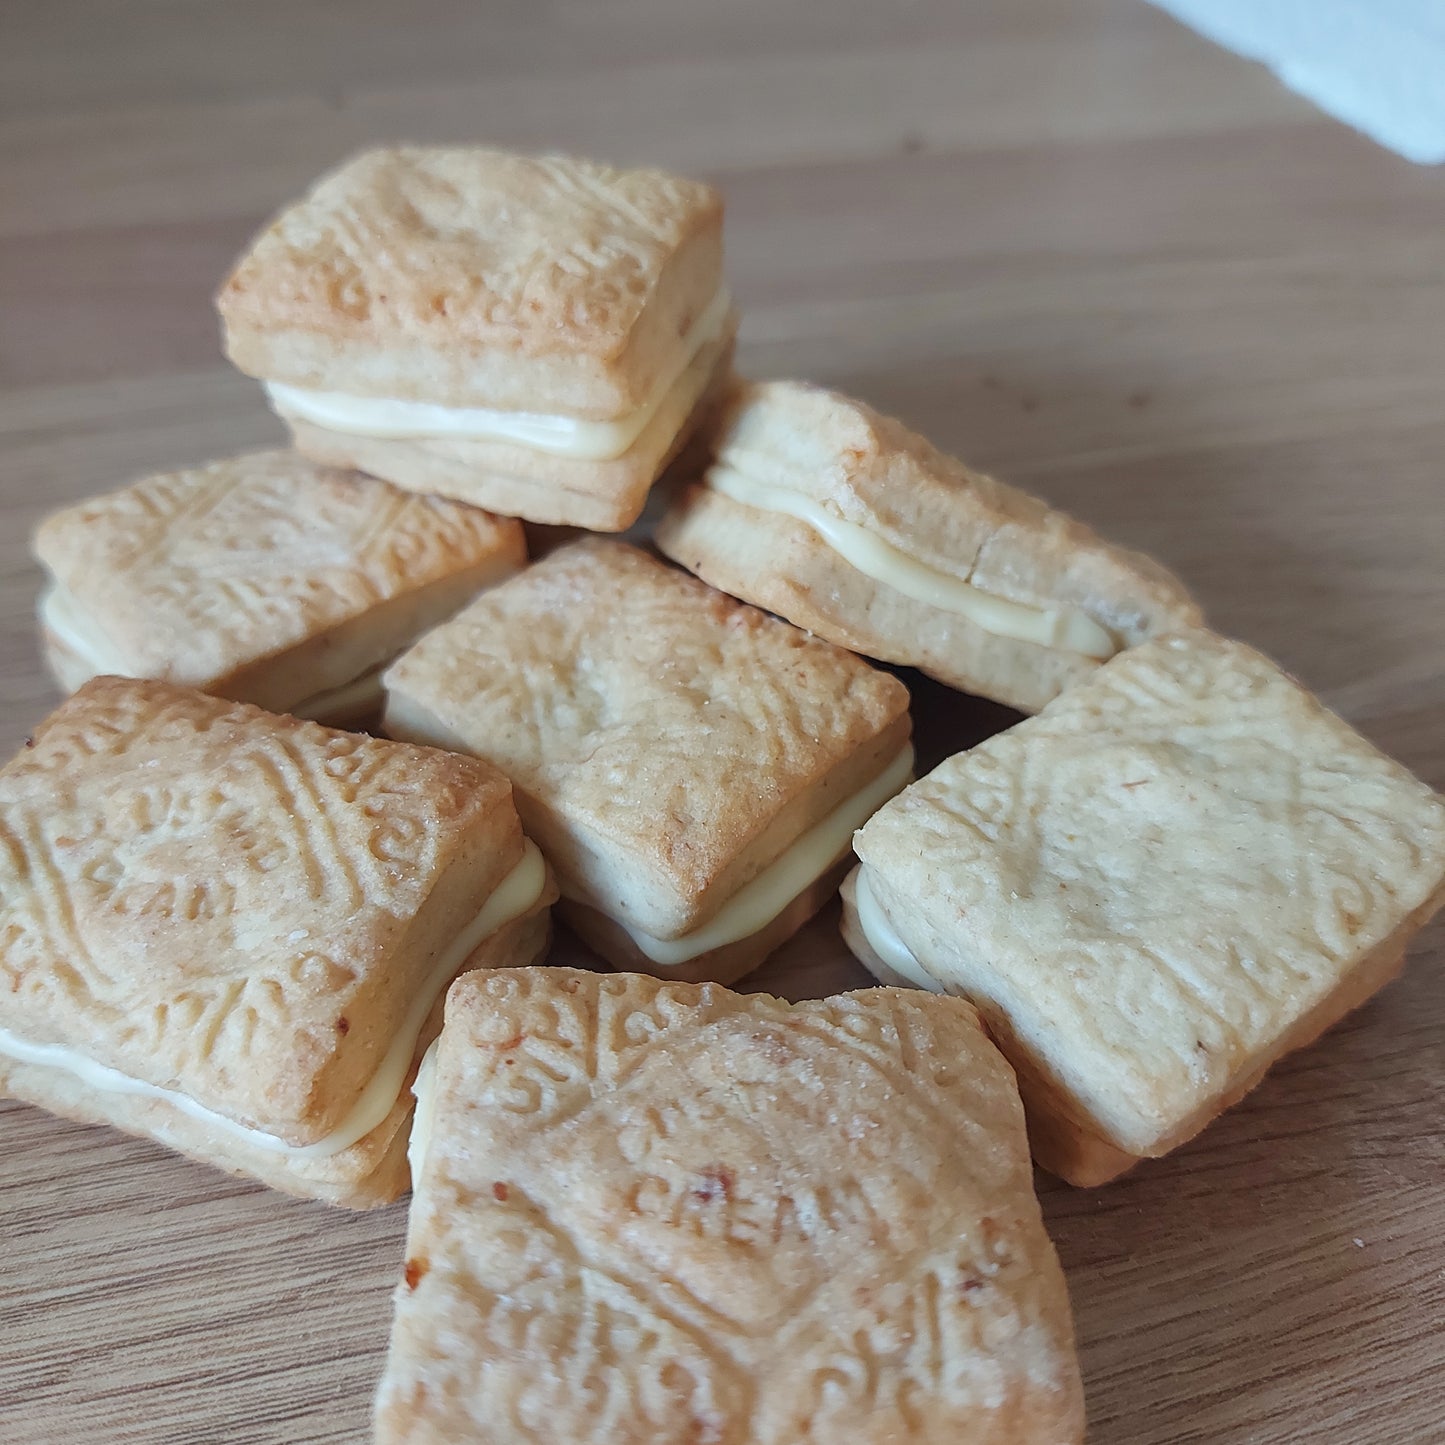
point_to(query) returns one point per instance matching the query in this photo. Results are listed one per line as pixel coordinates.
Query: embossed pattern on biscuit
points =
(728, 1216)
(868, 470)
(474, 246)
(1161, 872)
(193, 573)
(600, 677)
(208, 898)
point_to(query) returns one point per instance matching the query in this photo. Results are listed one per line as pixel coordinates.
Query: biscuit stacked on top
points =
(534, 336)
(235, 931)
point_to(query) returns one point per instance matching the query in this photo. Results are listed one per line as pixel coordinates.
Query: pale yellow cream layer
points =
(1062, 628)
(883, 938)
(60, 612)
(757, 903)
(423, 1090)
(562, 436)
(513, 896)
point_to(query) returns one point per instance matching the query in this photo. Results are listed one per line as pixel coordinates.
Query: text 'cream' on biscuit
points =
(653, 1211)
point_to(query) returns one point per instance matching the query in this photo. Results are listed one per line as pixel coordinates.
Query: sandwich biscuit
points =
(232, 932)
(263, 578)
(533, 335)
(846, 523)
(652, 1211)
(692, 768)
(1179, 871)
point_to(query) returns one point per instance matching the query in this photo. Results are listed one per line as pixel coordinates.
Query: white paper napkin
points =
(1378, 65)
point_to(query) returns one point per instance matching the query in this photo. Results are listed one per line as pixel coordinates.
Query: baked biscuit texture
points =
(657, 1211)
(471, 277)
(237, 909)
(665, 741)
(265, 577)
(863, 468)
(521, 481)
(1180, 870)
(724, 964)
(369, 1173)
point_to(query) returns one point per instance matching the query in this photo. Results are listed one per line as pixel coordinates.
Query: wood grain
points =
(1067, 239)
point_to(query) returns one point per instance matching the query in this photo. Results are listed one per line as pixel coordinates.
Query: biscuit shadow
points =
(1216, 1291)
(813, 963)
(946, 721)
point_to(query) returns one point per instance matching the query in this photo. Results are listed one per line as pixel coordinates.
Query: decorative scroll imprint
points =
(726, 1219)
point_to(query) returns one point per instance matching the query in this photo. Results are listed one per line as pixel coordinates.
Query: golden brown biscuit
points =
(263, 578)
(231, 931)
(1179, 871)
(846, 523)
(520, 332)
(689, 765)
(650, 1211)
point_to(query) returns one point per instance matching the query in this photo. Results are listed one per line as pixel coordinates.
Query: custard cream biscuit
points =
(1179, 871)
(232, 932)
(846, 523)
(264, 578)
(692, 768)
(534, 335)
(660, 1211)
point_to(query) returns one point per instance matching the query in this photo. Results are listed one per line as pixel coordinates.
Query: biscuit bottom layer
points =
(758, 902)
(883, 938)
(512, 897)
(79, 632)
(1065, 629)
(558, 435)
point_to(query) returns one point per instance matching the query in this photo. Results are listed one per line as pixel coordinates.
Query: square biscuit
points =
(1179, 871)
(468, 277)
(845, 522)
(232, 931)
(658, 1211)
(666, 743)
(262, 577)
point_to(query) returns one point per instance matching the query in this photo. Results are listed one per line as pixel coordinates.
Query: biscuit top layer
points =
(1155, 877)
(218, 901)
(660, 721)
(195, 574)
(869, 469)
(445, 255)
(763, 1222)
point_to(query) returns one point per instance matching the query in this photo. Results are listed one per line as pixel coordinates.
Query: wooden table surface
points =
(1070, 241)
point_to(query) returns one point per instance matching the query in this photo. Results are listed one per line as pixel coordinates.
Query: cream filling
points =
(1062, 628)
(75, 627)
(883, 939)
(562, 436)
(423, 1090)
(511, 898)
(758, 902)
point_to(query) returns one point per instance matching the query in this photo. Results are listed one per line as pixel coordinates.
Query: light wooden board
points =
(1065, 238)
